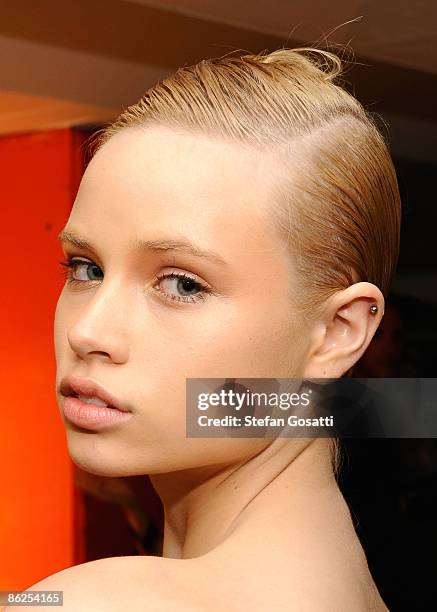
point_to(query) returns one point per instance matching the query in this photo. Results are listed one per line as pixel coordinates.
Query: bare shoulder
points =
(319, 567)
(299, 581)
(126, 583)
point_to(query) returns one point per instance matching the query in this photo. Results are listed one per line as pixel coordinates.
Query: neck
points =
(203, 506)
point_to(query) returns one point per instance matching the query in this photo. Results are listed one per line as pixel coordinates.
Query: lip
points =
(72, 386)
(89, 416)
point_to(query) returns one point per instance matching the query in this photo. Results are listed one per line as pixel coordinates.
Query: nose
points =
(99, 331)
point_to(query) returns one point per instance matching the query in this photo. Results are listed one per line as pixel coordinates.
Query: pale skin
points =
(250, 524)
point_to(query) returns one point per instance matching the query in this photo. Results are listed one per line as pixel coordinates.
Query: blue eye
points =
(73, 264)
(182, 283)
(183, 288)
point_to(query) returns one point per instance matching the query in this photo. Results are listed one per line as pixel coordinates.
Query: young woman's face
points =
(140, 334)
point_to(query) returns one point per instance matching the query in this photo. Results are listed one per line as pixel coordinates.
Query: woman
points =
(241, 220)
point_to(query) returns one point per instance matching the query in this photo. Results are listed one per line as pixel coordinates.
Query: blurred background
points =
(69, 66)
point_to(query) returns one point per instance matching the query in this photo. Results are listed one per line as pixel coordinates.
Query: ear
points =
(344, 331)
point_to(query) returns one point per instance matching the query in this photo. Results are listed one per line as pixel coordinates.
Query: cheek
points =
(59, 328)
(65, 317)
(223, 342)
(232, 343)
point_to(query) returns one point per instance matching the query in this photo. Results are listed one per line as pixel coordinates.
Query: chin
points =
(93, 466)
(88, 455)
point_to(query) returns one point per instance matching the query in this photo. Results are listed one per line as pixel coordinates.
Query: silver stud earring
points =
(373, 309)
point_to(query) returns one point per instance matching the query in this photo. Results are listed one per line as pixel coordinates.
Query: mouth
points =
(91, 392)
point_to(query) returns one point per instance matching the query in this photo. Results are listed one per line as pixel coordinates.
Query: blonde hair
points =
(338, 207)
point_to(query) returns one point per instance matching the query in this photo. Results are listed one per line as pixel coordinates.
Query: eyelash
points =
(70, 264)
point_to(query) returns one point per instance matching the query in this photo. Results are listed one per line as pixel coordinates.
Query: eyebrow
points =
(149, 245)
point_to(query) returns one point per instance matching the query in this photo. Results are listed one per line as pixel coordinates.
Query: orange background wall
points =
(40, 508)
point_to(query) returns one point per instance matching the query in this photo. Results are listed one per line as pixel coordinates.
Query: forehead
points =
(155, 180)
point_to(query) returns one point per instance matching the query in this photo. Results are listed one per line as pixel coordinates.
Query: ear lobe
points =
(342, 338)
